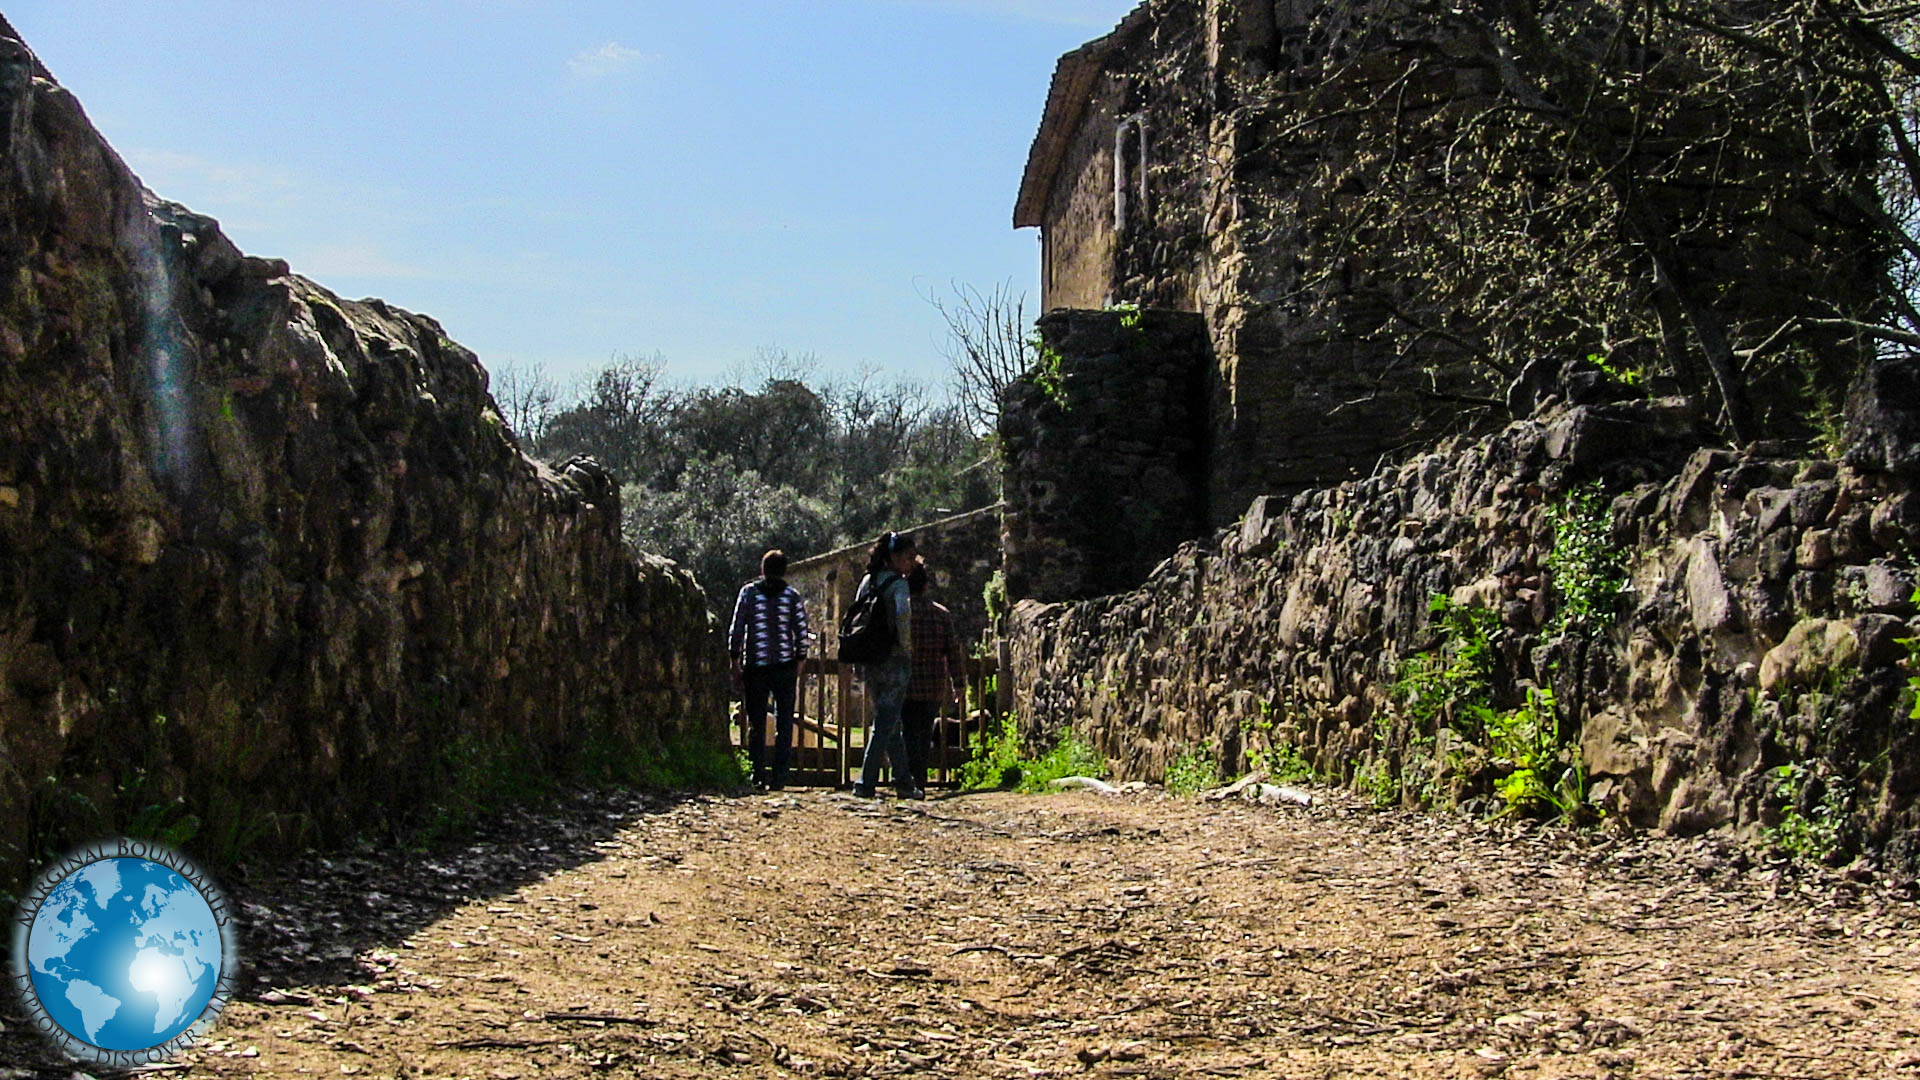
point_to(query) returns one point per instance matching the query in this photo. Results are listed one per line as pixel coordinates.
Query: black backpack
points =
(866, 630)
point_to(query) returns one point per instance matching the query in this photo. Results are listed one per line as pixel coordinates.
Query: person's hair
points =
(918, 579)
(883, 550)
(773, 564)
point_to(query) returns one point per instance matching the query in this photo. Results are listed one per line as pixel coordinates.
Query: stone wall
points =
(1077, 251)
(1767, 597)
(1103, 457)
(269, 558)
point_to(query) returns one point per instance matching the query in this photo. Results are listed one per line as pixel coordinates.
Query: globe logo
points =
(123, 953)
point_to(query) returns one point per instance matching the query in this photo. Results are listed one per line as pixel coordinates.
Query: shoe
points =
(862, 791)
(913, 794)
(777, 785)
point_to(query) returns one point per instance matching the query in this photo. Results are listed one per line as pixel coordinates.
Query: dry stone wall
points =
(269, 559)
(1767, 597)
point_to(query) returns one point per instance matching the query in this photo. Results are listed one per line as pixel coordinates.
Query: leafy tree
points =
(620, 417)
(719, 520)
(715, 475)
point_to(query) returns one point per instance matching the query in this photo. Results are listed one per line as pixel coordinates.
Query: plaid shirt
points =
(939, 667)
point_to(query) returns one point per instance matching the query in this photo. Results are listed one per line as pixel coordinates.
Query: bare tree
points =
(528, 400)
(988, 346)
(618, 415)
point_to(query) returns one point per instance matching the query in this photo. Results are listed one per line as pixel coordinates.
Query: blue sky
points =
(560, 182)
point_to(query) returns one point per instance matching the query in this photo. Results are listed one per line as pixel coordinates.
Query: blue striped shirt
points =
(769, 624)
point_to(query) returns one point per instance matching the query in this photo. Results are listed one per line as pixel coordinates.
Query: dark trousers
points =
(761, 680)
(916, 718)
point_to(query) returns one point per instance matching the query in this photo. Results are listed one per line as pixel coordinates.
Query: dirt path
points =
(999, 935)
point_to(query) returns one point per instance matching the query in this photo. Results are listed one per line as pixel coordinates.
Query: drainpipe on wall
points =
(1146, 210)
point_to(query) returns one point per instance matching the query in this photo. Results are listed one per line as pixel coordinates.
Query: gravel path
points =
(1067, 935)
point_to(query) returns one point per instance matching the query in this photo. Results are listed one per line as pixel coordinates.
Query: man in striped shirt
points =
(767, 642)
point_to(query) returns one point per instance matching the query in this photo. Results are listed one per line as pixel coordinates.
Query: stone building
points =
(1213, 156)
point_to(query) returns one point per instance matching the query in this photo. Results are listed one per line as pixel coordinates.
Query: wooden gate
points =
(832, 720)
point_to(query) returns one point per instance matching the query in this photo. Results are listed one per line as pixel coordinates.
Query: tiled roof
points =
(1067, 96)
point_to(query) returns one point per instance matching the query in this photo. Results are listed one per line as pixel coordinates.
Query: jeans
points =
(887, 686)
(916, 722)
(761, 680)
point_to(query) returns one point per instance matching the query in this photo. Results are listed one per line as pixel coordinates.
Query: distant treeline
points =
(775, 456)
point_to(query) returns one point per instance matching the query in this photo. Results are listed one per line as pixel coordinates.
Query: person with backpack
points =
(939, 672)
(877, 633)
(766, 644)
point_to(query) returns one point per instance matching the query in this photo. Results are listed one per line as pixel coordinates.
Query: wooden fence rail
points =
(833, 721)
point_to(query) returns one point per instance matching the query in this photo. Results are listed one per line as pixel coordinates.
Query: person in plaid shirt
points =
(939, 673)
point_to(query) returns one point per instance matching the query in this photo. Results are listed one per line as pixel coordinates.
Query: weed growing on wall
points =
(1625, 376)
(1912, 646)
(1376, 781)
(1584, 564)
(1535, 768)
(1047, 374)
(1192, 772)
(1807, 828)
(1256, 740)
(1280, 761)
(1451, 684)
(169, 823)
(1542, 772)
(1289, 766)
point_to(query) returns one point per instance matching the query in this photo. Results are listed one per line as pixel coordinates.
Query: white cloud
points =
(609, 59)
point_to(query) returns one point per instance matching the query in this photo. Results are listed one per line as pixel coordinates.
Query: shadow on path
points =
(304, 922)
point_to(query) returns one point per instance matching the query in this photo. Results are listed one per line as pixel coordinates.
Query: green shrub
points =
(998, 760)
(994, 758)
(1071, 756)
(994, 595)
(1194, 771)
